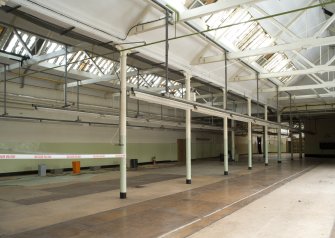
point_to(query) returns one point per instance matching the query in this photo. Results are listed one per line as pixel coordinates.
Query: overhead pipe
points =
(60, 102)
(97, 44)
(230, 25)
(90, 123)
(162, 6)
(42, 119)
(221, 47)
(234, 24)
(77, 36)
(200, 108)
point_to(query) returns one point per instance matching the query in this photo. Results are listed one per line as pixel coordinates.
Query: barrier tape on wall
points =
(61, 156)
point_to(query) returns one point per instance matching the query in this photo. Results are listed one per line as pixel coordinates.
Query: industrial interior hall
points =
(167, 118)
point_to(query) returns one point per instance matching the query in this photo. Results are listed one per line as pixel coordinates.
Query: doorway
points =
(181, 147)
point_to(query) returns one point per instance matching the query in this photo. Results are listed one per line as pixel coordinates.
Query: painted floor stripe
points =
(179, 228)
(232, 204)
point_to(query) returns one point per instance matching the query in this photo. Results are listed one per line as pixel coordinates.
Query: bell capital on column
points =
(187, 74)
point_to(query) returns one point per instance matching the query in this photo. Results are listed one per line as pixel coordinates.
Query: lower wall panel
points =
(141, 151)
(143, 144)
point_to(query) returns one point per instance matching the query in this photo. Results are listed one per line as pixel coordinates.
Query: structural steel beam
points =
(93, 62)
(311, 96)
(190, 14)
(38, 59)
(300, 87)
(111, 77)
(310, 107)
(218, 6)
(204, 96)
(325, 26)
(299, 44)
(23, 43)
(316, 69)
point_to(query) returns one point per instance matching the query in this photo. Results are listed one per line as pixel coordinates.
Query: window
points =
(246, 36)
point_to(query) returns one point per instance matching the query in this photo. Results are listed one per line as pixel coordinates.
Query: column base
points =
(123, 195)
(249, 168)
(188, 181)
(279, 161)
(225, 173)
(266, 164)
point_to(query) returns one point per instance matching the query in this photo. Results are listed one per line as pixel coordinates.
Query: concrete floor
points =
(295, 198)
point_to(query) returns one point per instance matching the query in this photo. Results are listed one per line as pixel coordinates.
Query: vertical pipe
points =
(263, 142)
(188, 130)
(279, 140)
(300, 140)
(225, 144)
(233, 136)
(291, 126)
(212, 99)
(226, 81)
(278, 130)
(65, 78)
(266, 147)
(182, 90)
(249, 137)
(5, 90)
(224, 99)
(161, 112)
(225, 119)
(138, 101)
(138, 86)
(257, 85)
(78, 89)
(123, 124)
(233, 140)
(166, 51)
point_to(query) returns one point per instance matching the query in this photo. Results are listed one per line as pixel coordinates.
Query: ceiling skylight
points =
(245, 36)
(80, 60)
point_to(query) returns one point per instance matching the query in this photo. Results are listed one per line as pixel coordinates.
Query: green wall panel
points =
(141, 151)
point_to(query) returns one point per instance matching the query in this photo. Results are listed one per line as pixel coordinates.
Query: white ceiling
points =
(110, 20)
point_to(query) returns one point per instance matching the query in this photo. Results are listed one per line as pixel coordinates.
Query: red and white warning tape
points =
(61, 156)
